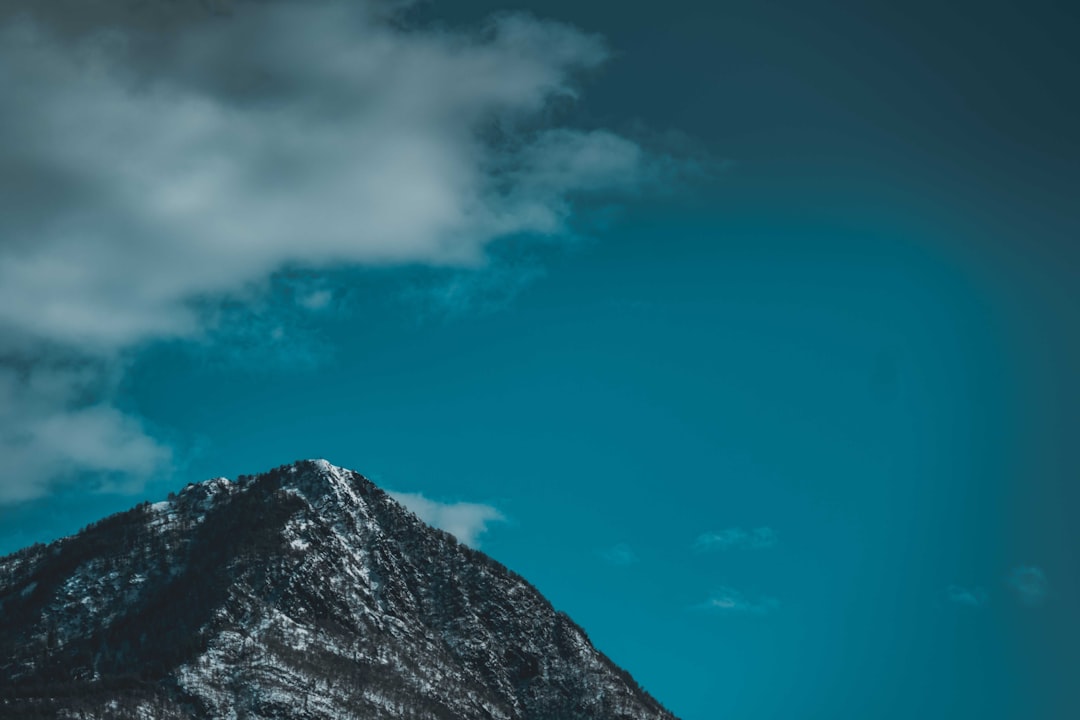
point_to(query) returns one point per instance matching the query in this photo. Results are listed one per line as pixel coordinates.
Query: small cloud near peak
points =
(464, 520)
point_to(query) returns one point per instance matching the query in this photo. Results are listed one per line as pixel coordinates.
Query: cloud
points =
(729, 601)
(326, 137)
(973, 597)
(465, 521)
(159, 159)
(1029, 584)
(54, 424)
(315, 300)
(620, 555)
(472, 291)
(761, 538)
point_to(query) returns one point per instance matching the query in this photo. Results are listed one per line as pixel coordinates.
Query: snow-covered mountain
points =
(304, 592)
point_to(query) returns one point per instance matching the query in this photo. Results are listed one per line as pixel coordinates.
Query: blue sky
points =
(748, 330)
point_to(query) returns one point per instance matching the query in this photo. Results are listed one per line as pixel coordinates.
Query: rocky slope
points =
(305, 592)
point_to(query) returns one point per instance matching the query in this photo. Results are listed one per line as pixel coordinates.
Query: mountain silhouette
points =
(303, 592)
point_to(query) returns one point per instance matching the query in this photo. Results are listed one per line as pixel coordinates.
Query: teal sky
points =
(791, 432)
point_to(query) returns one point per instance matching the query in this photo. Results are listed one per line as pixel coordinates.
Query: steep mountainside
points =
(305, 592)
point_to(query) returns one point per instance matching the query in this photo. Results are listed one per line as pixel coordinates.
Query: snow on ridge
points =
(211, 486)
(338, 480)
(326, 467)
(351, 609)
(324, 464)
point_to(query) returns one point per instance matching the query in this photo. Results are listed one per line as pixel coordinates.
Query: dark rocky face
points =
(305, 592)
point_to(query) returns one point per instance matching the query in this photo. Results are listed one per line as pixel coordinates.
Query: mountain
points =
(304, 592)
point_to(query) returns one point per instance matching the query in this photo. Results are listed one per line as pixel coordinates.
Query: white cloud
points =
(1029, 584)
(315, 299)
(465, 521)
(326, 137)
(49, 429)
(761, 538)
(729, 601)
(971, 597)
(159, 159)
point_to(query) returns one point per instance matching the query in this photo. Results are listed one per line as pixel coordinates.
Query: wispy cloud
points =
(969, 597)
(1029, 584)
(56, 421)
(465, 521)
(761, 538)
(448, 294)
(164, 159)
(315, 300)
(729, 601)
(620, 555)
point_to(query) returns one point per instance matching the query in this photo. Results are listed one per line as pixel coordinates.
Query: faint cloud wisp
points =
(1029, 584)
(729, 601)
(973, 597)
(619, 555)
(761, 538)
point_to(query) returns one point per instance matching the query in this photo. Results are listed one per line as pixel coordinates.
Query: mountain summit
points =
(304, 592)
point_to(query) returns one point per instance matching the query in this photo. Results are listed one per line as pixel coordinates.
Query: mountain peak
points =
(303, 592)
(323, 465)
(319, 479)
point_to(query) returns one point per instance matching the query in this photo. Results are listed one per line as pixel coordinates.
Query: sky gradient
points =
(746, 331)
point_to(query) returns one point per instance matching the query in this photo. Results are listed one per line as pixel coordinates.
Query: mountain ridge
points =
(305, 591)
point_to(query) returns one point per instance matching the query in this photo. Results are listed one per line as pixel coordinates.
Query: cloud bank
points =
(158, 158)
(465, 521)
